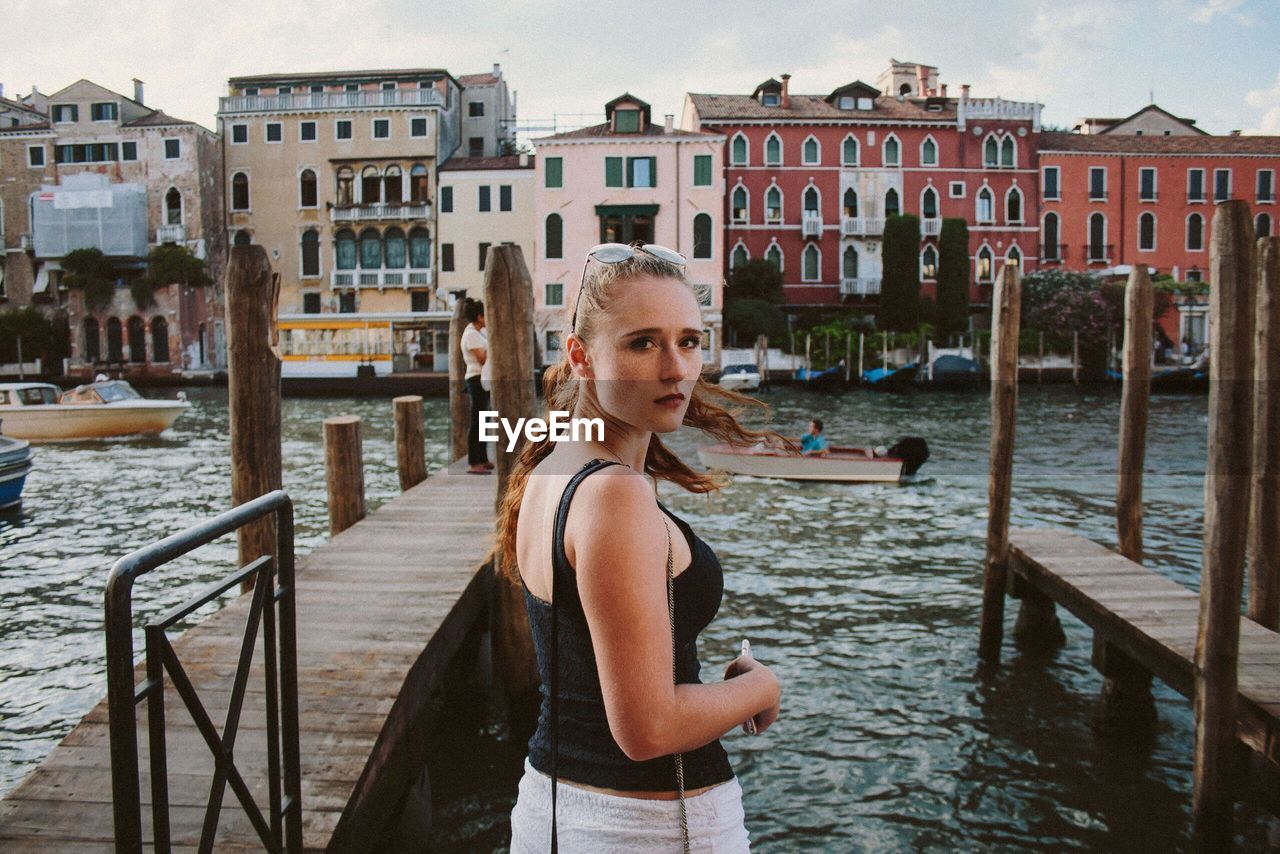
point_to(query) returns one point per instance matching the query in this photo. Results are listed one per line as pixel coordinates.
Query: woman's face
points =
(646, 353)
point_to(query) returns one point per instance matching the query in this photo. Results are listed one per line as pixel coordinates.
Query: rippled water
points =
(864, 599)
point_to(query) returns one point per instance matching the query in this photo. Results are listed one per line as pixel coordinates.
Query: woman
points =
(623, 740)
(475, 355)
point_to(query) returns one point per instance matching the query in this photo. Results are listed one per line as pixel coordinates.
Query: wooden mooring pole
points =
(1264, 512)
(253, 392)
(1006, 310)
(344, 472)
(410, 441)
(1226, 512)
(459, 400)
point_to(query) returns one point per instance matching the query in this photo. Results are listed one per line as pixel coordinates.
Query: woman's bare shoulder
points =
(612, 510)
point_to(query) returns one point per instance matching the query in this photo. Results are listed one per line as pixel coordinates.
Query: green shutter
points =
(702, 170)
(613, 172)
(653, 171)
(555, 172)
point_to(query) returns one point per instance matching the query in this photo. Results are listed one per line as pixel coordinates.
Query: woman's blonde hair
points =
(561, 391)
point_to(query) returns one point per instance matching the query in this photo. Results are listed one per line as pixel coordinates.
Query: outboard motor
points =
(913, 451)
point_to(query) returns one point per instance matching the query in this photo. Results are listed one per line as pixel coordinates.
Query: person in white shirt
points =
(475, 354)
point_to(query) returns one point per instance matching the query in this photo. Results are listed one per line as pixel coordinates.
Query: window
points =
(129, 151)
(240, 192)
(623, 227)
(346, 181)
(370, 249)
(417, 127)
(849, 204)
(740, 213)
(929, 204)
(66, 113)
(419, 301)
(173, 207)
(553, 177)
(393, 185)
(892, 207)
(811, 201)
(344, 244)
(1195, 185)
(991, 152)
(484, 199)
(242, 238)
(311, 303)
(370, 186)
(310, 253)
(774, 255)
(347, 302)
(849, 263)
(773, 205)
(316, 87)
(1050, 249)
(553, 294)
(35, 155)
(702, 236)
(812, 263)
(773, 151)
(986, 206)
(642, 171)
(90, 152)
(812, 151)
(104, 112)
(382, 128)
(892, 151)
(308, 196)
(553, 236)
(172, 149)
(394, 245)
(240, 134)
(984, 264)
(446, 257)
(702, 170)
(1266, 185)
(1013, 205)
(484, 251)
(1013, 257)
(475, 146)
(284, 90)
(846, 102)
(928, 152)
(1221, 185)
(419, 184)
(251, 90)
(929, 263)
(626, 121)
(849, 151)
(552, 341)
(275, 132)
(1147, 232)
(1195, 233)
(955, 189)
(475, 109)
(738, 151)
(342, 129)
(1097, 183)
(769, 99)
(1194, 275)
(351, 87)
(740, 257)
(1147, 184)
(1097, 237)
(388, 85)
(504, 197)
(613, 171)
(306, 131)
(1262, 226)
(1050, 183)
(446, 200)
(1008, 156)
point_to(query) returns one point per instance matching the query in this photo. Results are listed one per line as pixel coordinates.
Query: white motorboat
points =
(743, 377)
(101, 409)
(840, 464)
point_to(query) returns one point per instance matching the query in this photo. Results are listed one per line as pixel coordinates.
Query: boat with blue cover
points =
(15, 465)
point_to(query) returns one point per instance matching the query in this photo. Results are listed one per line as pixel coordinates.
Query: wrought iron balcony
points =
(302, 101)
(1053, 253)
(381, 279)
(1098, 253)
(171, 233)
(861, 286)
(395, 210)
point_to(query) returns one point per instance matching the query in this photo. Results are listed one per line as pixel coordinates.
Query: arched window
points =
(1050, 249)
(395, 248)
(1147, 232)
(811, 203)
(702, 236)
(393, 185)
(345, 194)
(345, 249)
(774, 255)
(812, 263)
(849, 151)
(159, 339)
(929, 203)
(173, 208)
(418, 184)
(929, 263)
(242, 238)
(554, 236)
(849, 263)
(310, 252)
(991, 152)
(419, 248)
(738, 154)
(308, 196)
(1195, 233)
(928, 152)
(1006, 152)
(984, 264)
(812, 151)
(370, 186)
(240, 192)
(904, 89)
(892, 207)
(137, 339)
(773, 205)
(850, 204)
(1097, 237)
(892, 151)
(740, 213)
(1013, 257)
(740, 257)
(773, 150)
(370, 249)
(1262, 225)
(986, 205)
(1013, 205)
(115, 340)
(92, 341)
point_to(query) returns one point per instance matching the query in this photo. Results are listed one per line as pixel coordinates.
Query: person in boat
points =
(634, 754)
(814, 443)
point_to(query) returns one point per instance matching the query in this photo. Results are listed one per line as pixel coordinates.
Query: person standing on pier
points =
(615, 608)
(475, 354)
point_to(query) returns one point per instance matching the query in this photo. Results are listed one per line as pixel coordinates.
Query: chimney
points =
(1, 90)
(964, 92)
(922, 81)
(137, 90)
(944, 90)
(669, 124)
(786, 96)
(524, 159)
(497, 70)
(1235, 133)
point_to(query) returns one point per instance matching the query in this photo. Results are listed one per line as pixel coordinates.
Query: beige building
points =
(488, 115)
(25, 140)
(484, 201)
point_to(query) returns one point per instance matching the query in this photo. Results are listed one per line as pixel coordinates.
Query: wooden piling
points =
(1006, 310)
(459, 400)
(253, 392)
(1264, 511)
(1231, 305)
(1040, 359)
(344, 472)
(410, 440)
(884, 350)
(848, 356)
(862, 351)
(808, 349)
(762, 359)
(1075, 356)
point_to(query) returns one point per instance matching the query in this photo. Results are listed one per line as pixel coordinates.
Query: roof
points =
(627, 98)
(156, 118)
(509, 161)
(729, 107)
(488, 78)
(1115, 144)
(605, 130)
(372, 74)
(18, 105)
(1191, 123)
(856, 88)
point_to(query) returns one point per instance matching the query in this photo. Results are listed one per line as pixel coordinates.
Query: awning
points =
(42, 280)
(626, 210)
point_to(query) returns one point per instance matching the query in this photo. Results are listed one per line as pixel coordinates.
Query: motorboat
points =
(15, 464)
(840, 464)
(744, 377)
(100, 409)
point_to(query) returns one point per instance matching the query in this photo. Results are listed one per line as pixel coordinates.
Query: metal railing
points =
(297, 101)
(385, 278)
(1098, 253)
(1053, 253)
(273, 579)
(393, 210)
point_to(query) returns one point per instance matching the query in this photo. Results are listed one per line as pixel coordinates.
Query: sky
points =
(1212, 60)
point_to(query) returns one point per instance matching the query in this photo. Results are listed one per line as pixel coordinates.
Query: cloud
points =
(1210, 9)
(1267, 103)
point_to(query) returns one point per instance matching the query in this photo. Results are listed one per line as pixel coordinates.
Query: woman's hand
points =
(764, 718)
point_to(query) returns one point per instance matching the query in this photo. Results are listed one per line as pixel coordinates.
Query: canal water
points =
(864, 599)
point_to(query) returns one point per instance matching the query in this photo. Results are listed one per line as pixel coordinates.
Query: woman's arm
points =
(621, 573)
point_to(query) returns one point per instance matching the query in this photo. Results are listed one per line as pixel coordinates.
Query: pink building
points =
(626, 179)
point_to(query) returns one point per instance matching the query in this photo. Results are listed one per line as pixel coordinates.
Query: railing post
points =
(459, 400)
(1264, 521)
(344, 472)
(410, 441)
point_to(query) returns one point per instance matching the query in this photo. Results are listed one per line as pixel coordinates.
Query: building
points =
(810, 179)
(107, 171)
(488, 115)
(1149, 121)
(627, 179)
(25, 140)
(484, 201)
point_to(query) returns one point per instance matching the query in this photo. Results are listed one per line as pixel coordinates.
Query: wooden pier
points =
(383, 609)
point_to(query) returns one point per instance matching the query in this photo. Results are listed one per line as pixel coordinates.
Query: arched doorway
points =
(159, 339)
(115, 340)
(137, 339)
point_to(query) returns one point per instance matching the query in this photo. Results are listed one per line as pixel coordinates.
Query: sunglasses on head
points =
(616, 253)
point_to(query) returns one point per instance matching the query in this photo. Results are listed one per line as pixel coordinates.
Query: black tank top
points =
(587, 751)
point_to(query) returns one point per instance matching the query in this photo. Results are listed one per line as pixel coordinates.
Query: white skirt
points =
(588, 821)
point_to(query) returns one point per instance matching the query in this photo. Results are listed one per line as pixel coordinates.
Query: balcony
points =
(1097, 253)
(171, 233)
(860, 287)
(1053, 253)
(861, 226)
(402, 211)
(304, 101)
(931, 227)
(25, 242)
(381, 279)
(811, 224)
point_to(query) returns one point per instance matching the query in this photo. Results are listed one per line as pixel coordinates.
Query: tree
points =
(751, 318)
(757, 279)
(35, 330)
(168, 264)
(1062, 303)
(93, 273)
(953, 277)
(900, 287)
